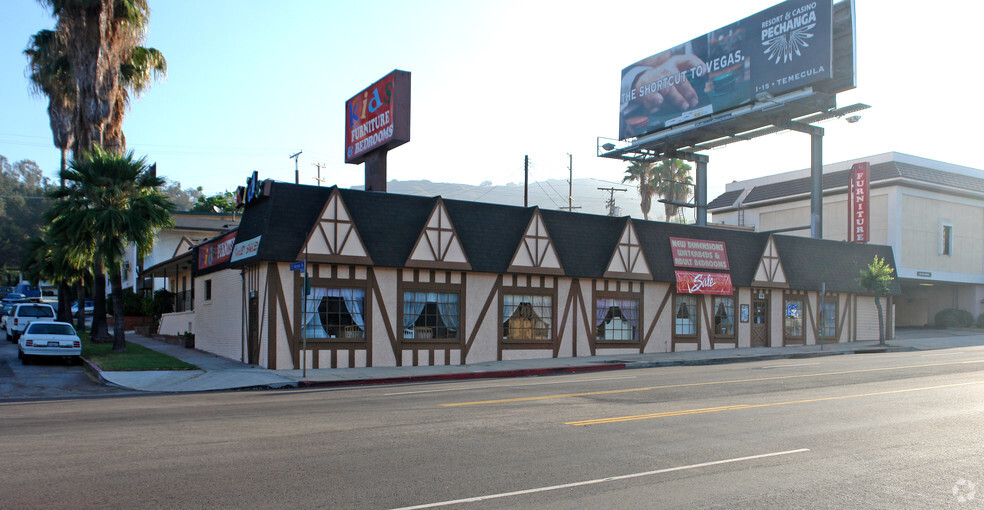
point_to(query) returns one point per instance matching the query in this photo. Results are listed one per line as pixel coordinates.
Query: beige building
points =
(930, 212)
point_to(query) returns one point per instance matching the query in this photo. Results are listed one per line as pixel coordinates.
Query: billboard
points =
(780, 49)
(378, 117)
(857, 215)
(699, 253)
(217, 251)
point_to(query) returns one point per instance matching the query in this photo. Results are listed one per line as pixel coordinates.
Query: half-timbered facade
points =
(397, 280)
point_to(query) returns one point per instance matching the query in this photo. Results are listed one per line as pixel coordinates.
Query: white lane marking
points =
(944, 353)
(793, 365)
(600, 480)
(509, 385)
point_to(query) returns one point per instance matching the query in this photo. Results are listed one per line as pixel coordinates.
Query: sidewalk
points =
(217, 373)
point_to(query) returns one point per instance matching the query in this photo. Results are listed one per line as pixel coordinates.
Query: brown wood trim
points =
(271, 307)
(659, 312)
(843, 320)
(496, 288)
(382, 309)
(645, 277)
(563, 320)
(339, 259)
(702, 305)
(439, 264)
(809, 314)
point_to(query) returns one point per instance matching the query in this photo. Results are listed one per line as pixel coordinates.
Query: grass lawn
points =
(136, 357)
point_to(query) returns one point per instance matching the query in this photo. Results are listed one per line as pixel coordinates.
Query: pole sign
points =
(784, 48)
(859, 224)
(378, 117)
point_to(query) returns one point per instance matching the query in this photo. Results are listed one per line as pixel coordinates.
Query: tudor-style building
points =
(398, 280)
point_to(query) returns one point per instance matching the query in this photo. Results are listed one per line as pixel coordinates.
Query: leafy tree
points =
(877, 279)
(183, 199)
(50, 259)
(643, 173)
(223, 202)
(673, 183)
(112, 201)
(22, 202)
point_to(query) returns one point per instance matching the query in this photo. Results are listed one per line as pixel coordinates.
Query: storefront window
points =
(334, 313)
(829, 319)
(428, 315)
(793, 318)
(527, 317)
(724, 315)
(617, 318)
(685, 315)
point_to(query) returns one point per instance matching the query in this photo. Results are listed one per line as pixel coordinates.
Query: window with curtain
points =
(724, 315)
(793, 317)
(829, 319)
(685, 315)
(334, 313)
(526, 317)
(617, 318)
(428, 315)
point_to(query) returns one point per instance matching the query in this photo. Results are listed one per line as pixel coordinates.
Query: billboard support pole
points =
(700, 192)
(816, 172)
(376, 171)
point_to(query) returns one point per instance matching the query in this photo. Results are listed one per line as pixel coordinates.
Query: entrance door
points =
(760, 323)
(253, 331)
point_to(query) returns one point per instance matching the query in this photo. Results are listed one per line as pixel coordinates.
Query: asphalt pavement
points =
(218, 373)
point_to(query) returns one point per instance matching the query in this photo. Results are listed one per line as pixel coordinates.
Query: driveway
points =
(45, 378)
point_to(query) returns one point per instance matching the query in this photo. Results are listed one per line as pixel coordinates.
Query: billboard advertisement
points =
(217, 251)
(378, 117)
(857, 215)
(781, 49)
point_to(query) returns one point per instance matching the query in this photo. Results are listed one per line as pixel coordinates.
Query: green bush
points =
(162, 303)
(954, 318)
(980, 320)
(132, 304)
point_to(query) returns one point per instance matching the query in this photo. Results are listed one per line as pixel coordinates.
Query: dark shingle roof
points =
(390, 224)
(809, 262)
(726, 199)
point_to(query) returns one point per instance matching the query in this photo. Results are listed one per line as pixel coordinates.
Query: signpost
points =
(301, 265)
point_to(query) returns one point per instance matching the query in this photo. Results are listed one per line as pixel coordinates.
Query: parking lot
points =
(45, 378)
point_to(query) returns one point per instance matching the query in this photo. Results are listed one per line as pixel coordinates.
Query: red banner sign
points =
(699, 253)
(378, 117)
(217, 251)
(689, 282)
(858, 224)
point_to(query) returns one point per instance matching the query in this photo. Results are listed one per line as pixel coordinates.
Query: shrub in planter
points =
(163, 302)
(953, 318)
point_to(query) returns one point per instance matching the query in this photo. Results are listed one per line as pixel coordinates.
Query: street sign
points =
(297, 266)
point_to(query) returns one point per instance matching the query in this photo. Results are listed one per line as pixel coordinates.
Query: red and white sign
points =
(217, 251)
(699, 254)
(246, 249)
(858, 223)
(690, 282)
(378, 117)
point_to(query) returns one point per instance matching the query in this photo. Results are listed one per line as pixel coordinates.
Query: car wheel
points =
(25, 360)
(20, 354)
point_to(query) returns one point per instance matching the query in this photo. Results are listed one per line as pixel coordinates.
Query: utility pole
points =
(611, 199)
(297, 173)
(318, 178)
(570, 184)
(526, 181)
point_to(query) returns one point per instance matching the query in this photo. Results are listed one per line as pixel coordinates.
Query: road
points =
(864, 431)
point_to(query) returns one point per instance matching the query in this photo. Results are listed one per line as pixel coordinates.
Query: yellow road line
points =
(667, 414)
(689, 385)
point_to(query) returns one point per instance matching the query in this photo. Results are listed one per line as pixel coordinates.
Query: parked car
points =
(87, 307)
(14, 297)
(24, 314)
(42, 338)
(5, 310)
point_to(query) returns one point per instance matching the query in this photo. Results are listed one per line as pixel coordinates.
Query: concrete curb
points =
(495, 374)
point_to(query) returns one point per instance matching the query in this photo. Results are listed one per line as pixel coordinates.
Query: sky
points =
(250, 83)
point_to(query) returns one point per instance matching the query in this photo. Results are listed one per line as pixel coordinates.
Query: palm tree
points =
(50, 259)
(876, 279)
(673, 183)
(116, 201)
(642, 172)
(140, 67)
(50, 75)
(100, 35)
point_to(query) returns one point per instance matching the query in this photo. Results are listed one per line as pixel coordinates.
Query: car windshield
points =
(36, 311)
(47, 328)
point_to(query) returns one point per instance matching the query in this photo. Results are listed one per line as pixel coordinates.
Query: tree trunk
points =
(80, 298)
(99, 331)
(64, 303)
(881, 321)
(119, 338)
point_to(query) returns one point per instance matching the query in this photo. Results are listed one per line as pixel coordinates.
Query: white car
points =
(24, 314)
(49, 339)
